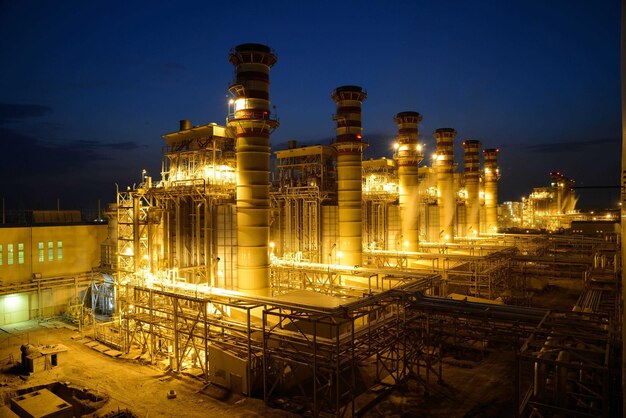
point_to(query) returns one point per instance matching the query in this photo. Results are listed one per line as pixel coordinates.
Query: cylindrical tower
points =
(409, 155)
(472, 173)
(445, 182)
(492, 174)
(252, 122)
(349, 148)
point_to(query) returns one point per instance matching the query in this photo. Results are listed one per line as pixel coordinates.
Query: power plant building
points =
(331, 267)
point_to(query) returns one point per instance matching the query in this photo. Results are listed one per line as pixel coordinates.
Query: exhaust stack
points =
(445, 183)
(349, 147)
(252, 122)
(492, 174)
(409, 154)
(472, 203)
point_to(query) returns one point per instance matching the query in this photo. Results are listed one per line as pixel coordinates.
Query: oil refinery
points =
(310, 277)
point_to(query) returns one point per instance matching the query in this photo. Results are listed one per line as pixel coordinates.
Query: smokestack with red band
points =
(349, 177)
(252, 123)
(472, 173)
(492, 174)
(409, 154)
(445, 182)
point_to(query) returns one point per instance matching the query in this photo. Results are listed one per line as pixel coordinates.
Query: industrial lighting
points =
(396, 145)
(406, 244)
(339, 254)
(272, 244)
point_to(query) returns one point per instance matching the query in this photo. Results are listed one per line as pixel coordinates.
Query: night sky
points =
(88, 88)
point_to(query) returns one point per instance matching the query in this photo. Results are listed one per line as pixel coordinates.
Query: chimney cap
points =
(408, 114)
(253, 47)
(356, 89)
(444, 131)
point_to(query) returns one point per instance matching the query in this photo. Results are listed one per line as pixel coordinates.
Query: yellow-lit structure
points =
(551, 207)
(269, 282)
(46, 267)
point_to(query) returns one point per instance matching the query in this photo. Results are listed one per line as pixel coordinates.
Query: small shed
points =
(44, 357)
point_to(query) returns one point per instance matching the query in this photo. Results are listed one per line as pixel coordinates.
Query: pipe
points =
(252, 123)
(184, 124)
(492, 175)
(349, 149)
(444, 164)
(472, 203)
(409, 155)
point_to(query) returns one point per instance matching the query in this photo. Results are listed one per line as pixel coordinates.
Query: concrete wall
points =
(80, 251)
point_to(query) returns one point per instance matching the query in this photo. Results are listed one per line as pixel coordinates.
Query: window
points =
(40, 252)
(20, 253)
(59, 250)
(50, 251)
(9, 254)
(1, 255)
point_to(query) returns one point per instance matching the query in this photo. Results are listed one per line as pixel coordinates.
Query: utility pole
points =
(623, 197)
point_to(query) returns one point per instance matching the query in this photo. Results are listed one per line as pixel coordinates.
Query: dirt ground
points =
(129, 384)
(480, 388)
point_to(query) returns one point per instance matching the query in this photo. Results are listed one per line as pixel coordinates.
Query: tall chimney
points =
(492, 174)
(252, 123)
(349, 148)
(409, 155)
(445, 182)
(472, 203)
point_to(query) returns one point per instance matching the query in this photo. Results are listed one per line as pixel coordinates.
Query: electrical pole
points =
(623, 197)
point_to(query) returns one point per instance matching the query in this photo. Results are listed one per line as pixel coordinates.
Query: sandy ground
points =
(139, 387)
(481, 388)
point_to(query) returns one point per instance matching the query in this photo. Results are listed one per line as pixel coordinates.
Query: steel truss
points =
(569, 366)
(183, 328)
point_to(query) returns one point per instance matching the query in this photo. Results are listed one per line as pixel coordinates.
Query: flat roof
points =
(313, 299)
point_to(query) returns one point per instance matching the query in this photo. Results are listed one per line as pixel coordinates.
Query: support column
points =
(446, 198)
(409, 154)
(492, 174)
(252, 122)
(472, 202)
(349, 148)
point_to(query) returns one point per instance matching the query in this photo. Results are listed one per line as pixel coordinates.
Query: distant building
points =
(596, 228)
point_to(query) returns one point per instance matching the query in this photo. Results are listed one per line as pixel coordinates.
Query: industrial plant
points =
(319, 281)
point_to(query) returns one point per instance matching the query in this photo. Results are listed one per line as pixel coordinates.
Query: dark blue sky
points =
(88, 88)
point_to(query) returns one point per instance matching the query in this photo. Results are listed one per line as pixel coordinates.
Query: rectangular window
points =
(9, 254)
(40, 252)
(50, 251)
(59, 250)
(1, 255)
(20, 253)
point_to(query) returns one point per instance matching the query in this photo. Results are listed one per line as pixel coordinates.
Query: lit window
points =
(40, 252)
(50, 251)
(59, 250)
(9, 254)
(20, 253)
(1, 255)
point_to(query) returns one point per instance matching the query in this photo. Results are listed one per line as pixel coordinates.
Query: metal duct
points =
(409, 154)
(349, 177)
(445, 182)
(492, 174)
(472, 202)
(252, 122)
